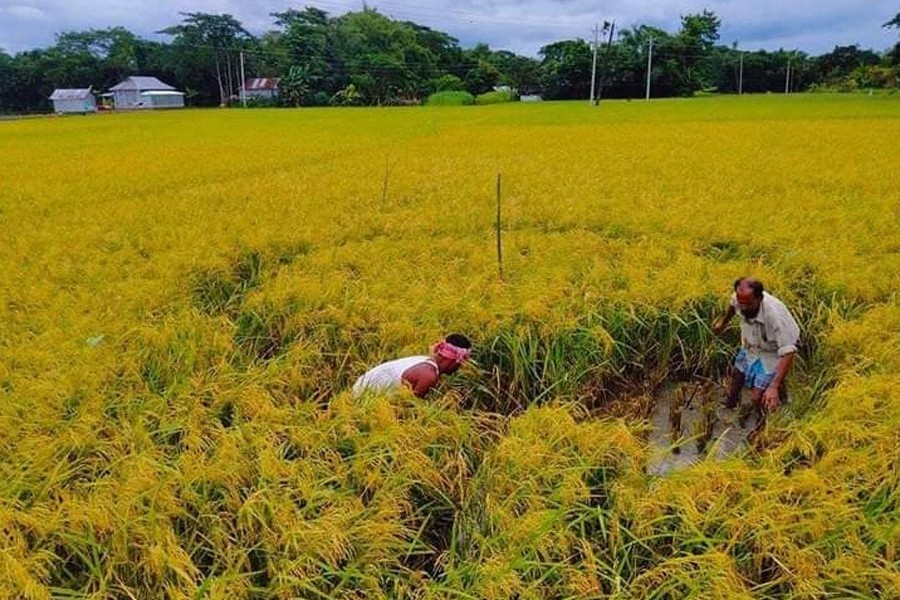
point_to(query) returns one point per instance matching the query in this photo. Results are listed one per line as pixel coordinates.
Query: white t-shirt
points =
(388, 377)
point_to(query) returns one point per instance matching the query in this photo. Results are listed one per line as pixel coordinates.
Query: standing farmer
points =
(769, 338)
(418, 373)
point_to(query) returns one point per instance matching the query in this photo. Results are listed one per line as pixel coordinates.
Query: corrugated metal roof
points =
(261, 83)
(141, 83)
(71, 94)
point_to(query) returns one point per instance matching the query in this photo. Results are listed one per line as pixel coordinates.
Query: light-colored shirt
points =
(388, 377)
(771, 334)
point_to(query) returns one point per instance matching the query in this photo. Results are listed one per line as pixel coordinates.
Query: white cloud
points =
(25, 12)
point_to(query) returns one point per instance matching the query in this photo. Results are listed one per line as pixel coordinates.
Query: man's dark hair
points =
(458, 340)
(755, 285)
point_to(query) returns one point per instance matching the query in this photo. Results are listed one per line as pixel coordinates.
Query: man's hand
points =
(770, 398)
(718, 326)
(722, 322)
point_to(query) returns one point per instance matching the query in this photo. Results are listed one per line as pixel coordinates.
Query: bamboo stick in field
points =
(499, 243)
(384, 183)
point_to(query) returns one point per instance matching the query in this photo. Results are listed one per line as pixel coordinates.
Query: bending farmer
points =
(418, 373)
(769, 338)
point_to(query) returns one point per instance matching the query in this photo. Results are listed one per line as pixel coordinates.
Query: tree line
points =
(368, 58)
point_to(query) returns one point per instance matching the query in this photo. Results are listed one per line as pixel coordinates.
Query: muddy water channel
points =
(690, 423)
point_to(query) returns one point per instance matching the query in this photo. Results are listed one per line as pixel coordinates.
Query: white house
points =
(73, 101)
(145, 92)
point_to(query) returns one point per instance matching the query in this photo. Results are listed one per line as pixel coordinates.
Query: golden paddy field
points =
(186, 297)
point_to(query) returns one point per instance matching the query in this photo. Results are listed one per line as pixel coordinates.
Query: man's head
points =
(451, 352)
(749, 293)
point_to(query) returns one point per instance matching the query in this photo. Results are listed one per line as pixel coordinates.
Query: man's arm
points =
(722, 322)
(420, 379)
(770, 397)
(787, 335)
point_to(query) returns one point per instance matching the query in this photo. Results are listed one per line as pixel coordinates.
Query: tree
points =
(384, 59)
(446, 83)
(691, 47)
(273, 58)
(443, 49)
(566, 69)
(630, 59)
(481, 78)
(308, 38)
(700, 31)
(518, 72)
(8, 79)
(895, 22)
(843, 60)
(208, 45)
(894, 54)
(348, 96)
(296, 85)
(23, 87)
(111, 54)
(62, 66)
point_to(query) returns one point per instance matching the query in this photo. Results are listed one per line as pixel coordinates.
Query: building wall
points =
(132, 100)
(128, 100)
(261, 94)
(165, 101)
(74, 106)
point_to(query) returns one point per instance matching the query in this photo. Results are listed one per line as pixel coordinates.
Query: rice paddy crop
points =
(186, 297)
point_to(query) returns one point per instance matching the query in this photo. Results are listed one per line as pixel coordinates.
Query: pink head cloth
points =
(454, 353)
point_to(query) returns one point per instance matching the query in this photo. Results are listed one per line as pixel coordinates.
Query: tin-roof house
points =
(73, 100)
(261, 87)
(145, 92)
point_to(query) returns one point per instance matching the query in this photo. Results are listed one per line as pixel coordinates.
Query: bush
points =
(450, 99)
(320, 98)
(349, 96)
(873, 76)
(402, 101)
(257, 102)
(495, 97)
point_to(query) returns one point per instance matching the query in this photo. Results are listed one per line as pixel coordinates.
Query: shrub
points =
(495, 97)
(258, 102)
(320, 99)
(349, 96)
(450, 99)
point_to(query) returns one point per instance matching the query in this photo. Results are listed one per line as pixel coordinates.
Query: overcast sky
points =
(523, 26)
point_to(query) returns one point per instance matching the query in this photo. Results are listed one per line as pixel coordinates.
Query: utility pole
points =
(787, 78)
(612, 30)
(741, 76)
(243, 82)
(594, 65)
(649, 67)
